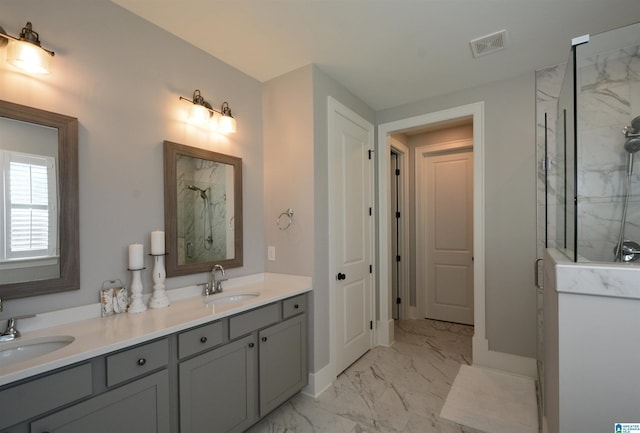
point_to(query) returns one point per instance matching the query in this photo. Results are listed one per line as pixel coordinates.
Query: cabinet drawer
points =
(201, 338)
(255, 319)
(32, 398)
(293, 306)
(137, 361)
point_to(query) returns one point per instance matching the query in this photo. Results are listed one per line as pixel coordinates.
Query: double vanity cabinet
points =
(221, 376)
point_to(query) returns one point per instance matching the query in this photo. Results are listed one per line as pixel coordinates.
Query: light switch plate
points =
(271, 253)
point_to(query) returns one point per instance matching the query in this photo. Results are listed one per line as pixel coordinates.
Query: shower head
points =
(632, 145)
(203, 192)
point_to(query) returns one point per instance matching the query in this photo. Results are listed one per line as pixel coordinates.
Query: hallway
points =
(400, 389)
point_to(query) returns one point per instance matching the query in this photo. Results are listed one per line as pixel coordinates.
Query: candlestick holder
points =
(159, 299)
(137, 302)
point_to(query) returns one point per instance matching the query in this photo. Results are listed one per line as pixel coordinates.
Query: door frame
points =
(333, 106)
(405, 311)
(476, 112)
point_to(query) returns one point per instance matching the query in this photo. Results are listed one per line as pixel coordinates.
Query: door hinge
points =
(398, 301)
(398, 258)
(397, 172)
(397, 215)
(371, 269)
(370, 212)
(371, 325)
(370, 152)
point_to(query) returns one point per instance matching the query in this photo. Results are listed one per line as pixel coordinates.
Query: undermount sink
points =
(229, 298)
(25, 349)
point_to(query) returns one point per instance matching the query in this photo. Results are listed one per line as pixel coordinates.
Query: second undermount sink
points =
(25, 349)
(229, 298)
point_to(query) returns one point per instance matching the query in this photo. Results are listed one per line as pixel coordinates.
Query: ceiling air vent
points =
(489, 44)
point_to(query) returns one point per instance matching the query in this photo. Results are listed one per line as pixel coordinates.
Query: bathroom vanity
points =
(203, 367)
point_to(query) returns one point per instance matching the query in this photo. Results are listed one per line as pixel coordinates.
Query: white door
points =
(351, 209)
(445, 234)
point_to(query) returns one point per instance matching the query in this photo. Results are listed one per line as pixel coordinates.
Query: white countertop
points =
(100, 335)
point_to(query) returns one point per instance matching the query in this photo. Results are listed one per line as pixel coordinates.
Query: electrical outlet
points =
(271, 253)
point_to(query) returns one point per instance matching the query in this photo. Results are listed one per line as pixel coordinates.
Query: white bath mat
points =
(492, 402)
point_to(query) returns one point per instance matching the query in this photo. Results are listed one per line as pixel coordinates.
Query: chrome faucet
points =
(11, 332)
(214, 285)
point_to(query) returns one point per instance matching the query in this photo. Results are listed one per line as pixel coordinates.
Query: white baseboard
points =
(506, 362)
(319, 381)
(545, 428)
(386, 334)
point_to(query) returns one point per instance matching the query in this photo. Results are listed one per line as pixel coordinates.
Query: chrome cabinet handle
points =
(203, 339)
(142, 361)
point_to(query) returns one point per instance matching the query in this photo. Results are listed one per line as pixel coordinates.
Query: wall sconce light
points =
(202, 112)
(25, 52)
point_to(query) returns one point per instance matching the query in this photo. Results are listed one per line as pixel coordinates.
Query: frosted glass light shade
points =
(226, 124)
(28, 57)
(199, 114)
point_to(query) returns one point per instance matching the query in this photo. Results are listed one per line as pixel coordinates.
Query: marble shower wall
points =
(548, 84)
(608, 97)
(206, 225)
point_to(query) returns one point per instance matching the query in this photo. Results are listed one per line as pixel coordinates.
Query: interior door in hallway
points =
(351, 225)
(445, 234)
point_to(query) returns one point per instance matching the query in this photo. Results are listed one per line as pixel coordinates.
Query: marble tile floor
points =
(400, 389)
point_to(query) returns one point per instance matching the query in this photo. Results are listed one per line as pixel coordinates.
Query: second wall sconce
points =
(25, 52)
(202, 112)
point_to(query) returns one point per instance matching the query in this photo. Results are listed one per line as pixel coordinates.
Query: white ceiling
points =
(387, 52)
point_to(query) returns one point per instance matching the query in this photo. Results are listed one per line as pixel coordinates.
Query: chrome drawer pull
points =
(203, 339)
(142, 361)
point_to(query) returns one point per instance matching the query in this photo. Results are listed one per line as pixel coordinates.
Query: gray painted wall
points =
(288, 175)
(510, 230)
(121, 77)
(296, 176)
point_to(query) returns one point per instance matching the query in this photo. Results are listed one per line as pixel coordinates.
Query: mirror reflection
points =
(203, 209)
(39, 238)
(29, 202)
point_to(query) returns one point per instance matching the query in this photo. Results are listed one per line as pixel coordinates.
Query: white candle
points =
(136, 260)
(157, 242)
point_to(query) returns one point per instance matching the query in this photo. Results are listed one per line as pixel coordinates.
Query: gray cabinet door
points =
(139, 407)
(218, 389)
(283, 362)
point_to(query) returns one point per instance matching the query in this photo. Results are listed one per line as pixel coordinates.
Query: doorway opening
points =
(431, 222)
(470, 114)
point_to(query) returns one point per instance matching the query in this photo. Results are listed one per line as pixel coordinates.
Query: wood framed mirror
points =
(39, 207)
(202, 209)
